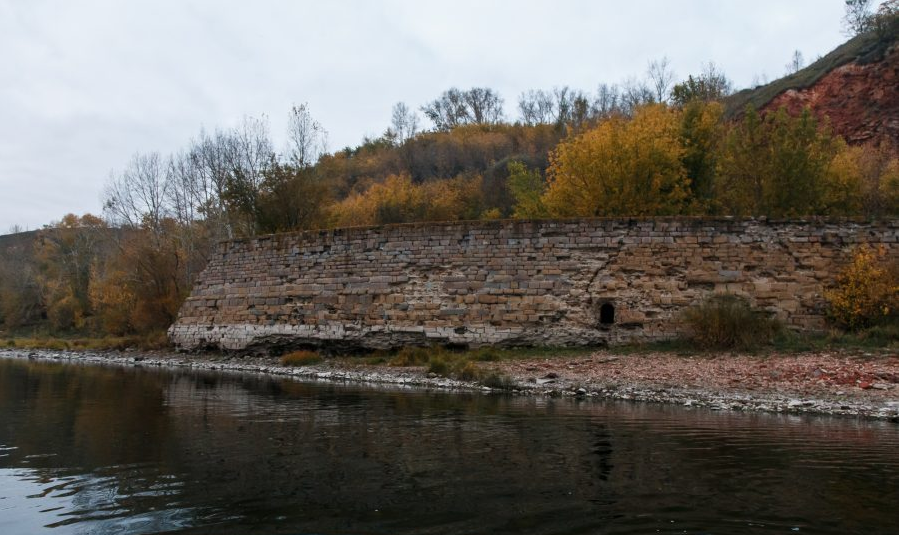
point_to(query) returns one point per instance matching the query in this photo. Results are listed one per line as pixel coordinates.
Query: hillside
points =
(856, 86)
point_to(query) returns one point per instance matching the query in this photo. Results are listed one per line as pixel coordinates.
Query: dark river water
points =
(92, 449)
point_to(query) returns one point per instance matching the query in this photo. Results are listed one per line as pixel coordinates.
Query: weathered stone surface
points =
(859, 101)
(511, 282)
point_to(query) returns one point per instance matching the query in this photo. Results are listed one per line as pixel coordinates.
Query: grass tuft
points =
(300, 358)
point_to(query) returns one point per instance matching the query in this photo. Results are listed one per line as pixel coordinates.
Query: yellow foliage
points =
(399, 200)
(621, 168)
(867, 290)
(493, 213)
(888, 188)
(843, 183)
(112, 298)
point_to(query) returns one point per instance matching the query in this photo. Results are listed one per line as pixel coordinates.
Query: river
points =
(123, 450)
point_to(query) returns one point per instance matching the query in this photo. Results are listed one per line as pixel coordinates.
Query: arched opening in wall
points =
(607, 314)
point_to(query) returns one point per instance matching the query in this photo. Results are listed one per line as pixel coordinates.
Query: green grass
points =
(877, 338)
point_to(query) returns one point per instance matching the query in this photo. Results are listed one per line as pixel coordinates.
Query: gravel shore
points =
(863, 385)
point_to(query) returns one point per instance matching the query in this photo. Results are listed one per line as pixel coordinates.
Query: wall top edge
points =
(488, 224)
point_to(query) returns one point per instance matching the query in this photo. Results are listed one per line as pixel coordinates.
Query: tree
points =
(485, 105)
(20, 297)
(621, 168)
(711, 84)
(248, 153)
(66, 251)
(291, 199)
(701, 132)
(797, 62)
(607, 101)
(138, 196)
(307, 139)
(527, 187)
(775, 166)
(478, 105)
(885, 22)
(536, 107)
(857, 17)
(403, 122)
(635, 94)
(563, 107)
(398, 200)
(661, 77)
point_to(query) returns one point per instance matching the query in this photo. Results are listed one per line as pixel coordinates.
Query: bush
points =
(866, 292)
(412, 356)
(438, 366)
(300, 358)
(468, 372)
(487, 354)
(728, 322)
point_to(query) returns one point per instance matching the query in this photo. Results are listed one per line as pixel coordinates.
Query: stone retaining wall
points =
(562, 282)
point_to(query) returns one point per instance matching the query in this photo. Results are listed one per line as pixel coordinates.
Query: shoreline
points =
(602, 375)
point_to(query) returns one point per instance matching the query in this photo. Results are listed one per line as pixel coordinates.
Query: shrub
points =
(487, 354)
(412, 356)
(300, 358)
(468, 371)
(728, 322)
(866, 291)
(438, 366)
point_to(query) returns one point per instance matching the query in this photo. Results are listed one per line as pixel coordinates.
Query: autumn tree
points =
(775, 166)
(291, 199)
(20, 297)
(621, 168)
(864, 179)
(66, 251)
(398, 200)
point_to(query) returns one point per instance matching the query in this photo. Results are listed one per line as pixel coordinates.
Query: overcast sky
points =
(86, 84)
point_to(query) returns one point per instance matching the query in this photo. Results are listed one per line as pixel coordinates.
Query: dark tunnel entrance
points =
(607, 314)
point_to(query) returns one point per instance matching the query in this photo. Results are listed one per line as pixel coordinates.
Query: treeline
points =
(642, 148)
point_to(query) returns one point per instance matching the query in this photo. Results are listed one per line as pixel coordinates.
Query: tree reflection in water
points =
(124, 450)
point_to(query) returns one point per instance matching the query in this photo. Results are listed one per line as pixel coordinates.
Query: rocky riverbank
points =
(861, 385)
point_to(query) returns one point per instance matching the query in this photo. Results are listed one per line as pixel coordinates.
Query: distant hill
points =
(856, 86)
(18, 241)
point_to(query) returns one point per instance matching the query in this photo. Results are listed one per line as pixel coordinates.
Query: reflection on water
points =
(89, 449)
